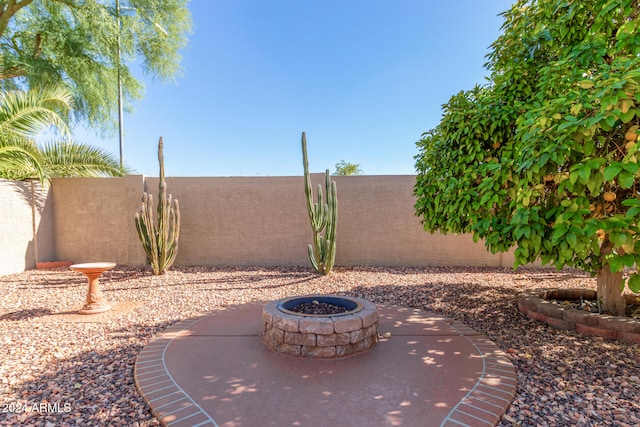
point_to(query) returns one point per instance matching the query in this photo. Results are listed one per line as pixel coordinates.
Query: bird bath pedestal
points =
(95, 303)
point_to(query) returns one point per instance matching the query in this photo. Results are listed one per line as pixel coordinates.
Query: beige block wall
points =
(20, 209)
(256, 221)
(93, 219)
(240, 220)
(377, 225)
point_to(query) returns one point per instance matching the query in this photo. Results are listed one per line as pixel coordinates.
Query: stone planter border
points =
(535, 305)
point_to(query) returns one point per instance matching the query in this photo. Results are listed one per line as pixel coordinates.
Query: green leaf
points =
(615, 264)
(631, 167)
(628, 116)
(634, 283)
(633, 211)
(573, 176)
(612, 171)
(584, 173)
(565, 125)
(594, 183)
(544, 158)
(625, 179)
(618, 239)
(558, 232)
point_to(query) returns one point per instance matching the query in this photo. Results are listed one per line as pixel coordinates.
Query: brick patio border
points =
(494, 391)
(535, 305)
(168, 402)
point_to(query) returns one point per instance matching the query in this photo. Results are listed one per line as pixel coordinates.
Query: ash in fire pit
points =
(320, 305)
(316, 307)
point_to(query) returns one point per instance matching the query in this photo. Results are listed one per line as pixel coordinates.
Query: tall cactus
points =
(160, 242)
(323, 216)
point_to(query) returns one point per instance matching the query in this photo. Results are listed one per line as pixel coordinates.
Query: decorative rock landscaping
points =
(320, 336)
(564, 378)
(536, 305)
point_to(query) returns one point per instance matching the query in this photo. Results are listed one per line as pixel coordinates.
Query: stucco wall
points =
(225, 221)
(256, 221)
(93, 219)
(20, 210)
(240, 221)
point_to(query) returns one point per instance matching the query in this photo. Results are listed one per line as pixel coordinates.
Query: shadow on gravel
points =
(438, 296)
(90, 389)
(56, 283)
(257, 280)
(183, 276)
(25, 314)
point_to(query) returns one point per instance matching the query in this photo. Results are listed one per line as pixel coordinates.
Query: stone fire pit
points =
(320, 335)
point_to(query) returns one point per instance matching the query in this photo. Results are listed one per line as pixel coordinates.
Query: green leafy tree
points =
(343, 169)
(85, 44)
(544, 158)
(24, 115)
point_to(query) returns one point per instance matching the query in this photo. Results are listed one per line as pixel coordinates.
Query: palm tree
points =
(68, 159)
(20, 160)
(24, 115)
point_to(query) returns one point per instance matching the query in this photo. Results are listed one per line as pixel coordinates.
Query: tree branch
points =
(37, 49)
(9, 8)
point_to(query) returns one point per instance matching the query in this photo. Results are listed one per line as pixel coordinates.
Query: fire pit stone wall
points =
(320, 336)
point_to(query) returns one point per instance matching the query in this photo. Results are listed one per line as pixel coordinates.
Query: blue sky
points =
(363, 78)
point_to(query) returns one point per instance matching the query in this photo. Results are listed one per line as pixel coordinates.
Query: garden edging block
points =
(535, 306)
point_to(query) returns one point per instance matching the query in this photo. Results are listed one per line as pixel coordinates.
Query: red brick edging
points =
(492, 395)
(168, 402)
(535, 305)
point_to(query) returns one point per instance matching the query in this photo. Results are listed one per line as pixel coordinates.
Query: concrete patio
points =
(431, 371)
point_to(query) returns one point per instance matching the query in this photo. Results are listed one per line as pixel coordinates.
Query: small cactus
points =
(323, 216)
(160, 242)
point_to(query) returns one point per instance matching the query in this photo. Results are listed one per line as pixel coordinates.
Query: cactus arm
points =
(331, 229)
(320, 213)
(153, 235)
(142, 232)
(312, 258)
(175, 227)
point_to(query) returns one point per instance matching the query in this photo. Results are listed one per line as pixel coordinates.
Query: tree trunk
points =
(609, 285)
(610, 292)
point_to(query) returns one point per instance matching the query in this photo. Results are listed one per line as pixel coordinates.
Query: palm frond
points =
(21, 160)
(26, 114)
(72, 159)
(23, 115)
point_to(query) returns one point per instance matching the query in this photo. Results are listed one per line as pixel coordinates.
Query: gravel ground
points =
(81, 374)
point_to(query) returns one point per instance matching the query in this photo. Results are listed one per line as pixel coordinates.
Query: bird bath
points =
(95, 303)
